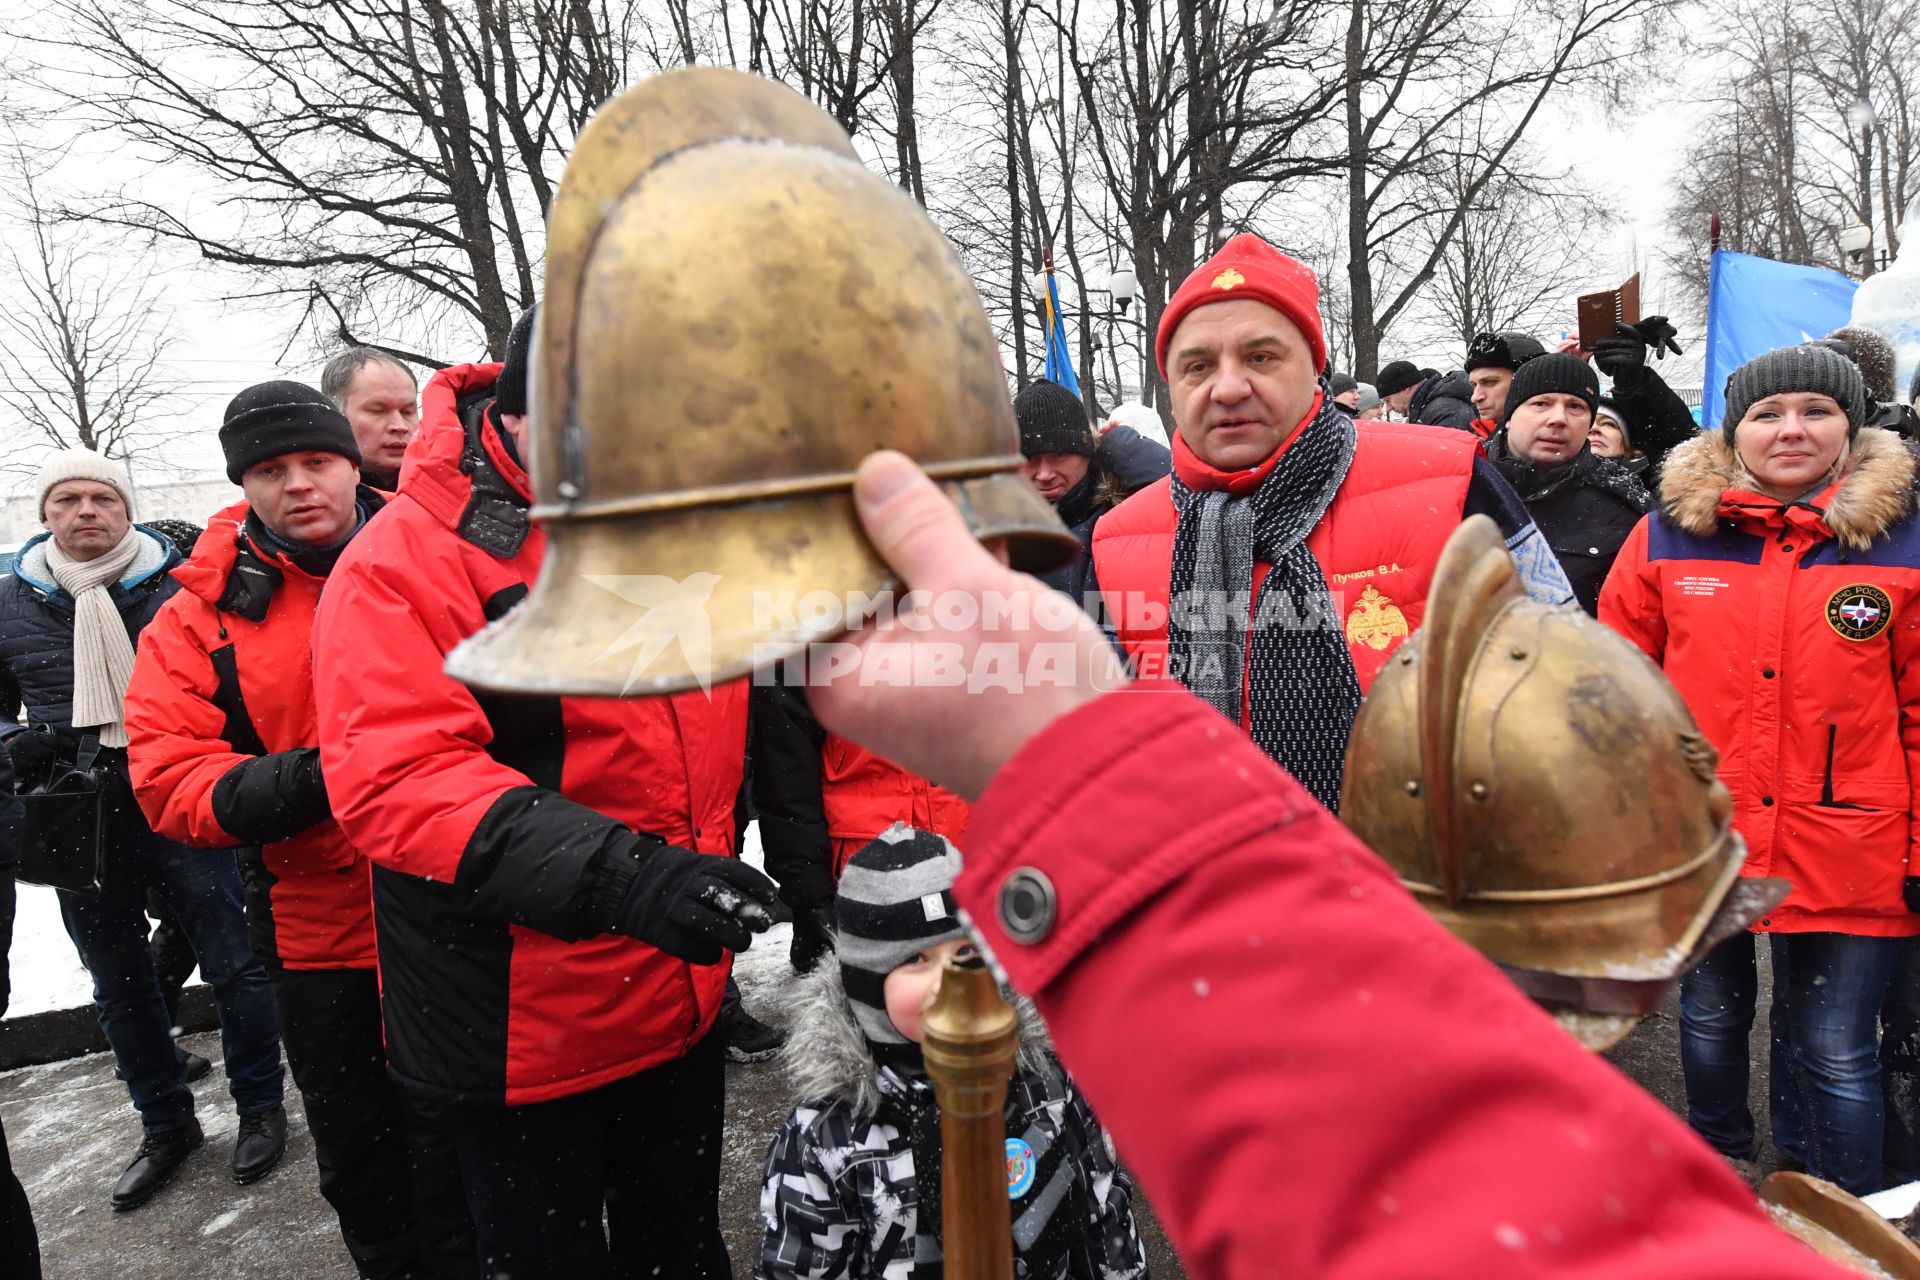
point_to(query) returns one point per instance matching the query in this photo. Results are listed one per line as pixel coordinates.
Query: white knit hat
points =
(82, 464)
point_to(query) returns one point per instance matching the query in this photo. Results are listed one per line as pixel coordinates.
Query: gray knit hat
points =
(1802, 368)
(895, 900)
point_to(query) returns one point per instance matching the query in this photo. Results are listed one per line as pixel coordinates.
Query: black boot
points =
(812, 937)
(748, 1038)
(160, 1155)
(261, 1142)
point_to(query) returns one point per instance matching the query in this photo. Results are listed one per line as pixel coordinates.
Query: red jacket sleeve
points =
(403, 744)
(176, 751)
(1630, 600)
(1309, 1076)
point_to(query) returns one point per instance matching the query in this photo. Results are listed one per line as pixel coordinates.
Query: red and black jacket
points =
(483, 813)
(223, 743)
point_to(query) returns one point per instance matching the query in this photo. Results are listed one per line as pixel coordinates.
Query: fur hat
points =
(1809, 367)
(82, 464)
(1249, 267)
(894, 901)
(1052, 420)
(1871, 353)
(272, 418)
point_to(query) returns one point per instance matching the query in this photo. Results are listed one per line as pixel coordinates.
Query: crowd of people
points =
(491, 933)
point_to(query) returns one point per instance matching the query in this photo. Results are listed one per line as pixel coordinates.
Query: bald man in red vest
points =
(1289, 554)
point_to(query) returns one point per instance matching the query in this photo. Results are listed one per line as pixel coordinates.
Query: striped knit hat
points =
(895, 900)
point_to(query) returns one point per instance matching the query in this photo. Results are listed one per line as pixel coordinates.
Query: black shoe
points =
(160, 1155)
(812, 938)
(261, 1142)
(748, 1038)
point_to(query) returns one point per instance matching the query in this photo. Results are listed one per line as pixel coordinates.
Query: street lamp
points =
(1855, 242)
(1124, 286)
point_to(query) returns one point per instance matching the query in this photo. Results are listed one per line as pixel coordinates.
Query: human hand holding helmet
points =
(690, 905)
(955, 736)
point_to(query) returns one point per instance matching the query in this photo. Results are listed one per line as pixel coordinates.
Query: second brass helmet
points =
(1542, 790)
(736, 312)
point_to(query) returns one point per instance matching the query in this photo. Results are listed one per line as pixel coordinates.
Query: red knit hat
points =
(1249, 267)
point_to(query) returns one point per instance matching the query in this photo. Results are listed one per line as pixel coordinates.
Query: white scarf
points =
(102, 650)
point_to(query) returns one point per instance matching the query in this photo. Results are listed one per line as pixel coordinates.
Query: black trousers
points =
(645, 1150)
(19, 1242)
(330, 1025)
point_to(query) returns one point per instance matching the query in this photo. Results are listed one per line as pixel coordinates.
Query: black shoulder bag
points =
(68, 815)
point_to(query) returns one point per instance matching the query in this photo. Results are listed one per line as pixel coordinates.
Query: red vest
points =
(1377, 544)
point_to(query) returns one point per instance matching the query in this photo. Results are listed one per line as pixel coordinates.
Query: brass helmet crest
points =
(1541, 788)
(736, 311)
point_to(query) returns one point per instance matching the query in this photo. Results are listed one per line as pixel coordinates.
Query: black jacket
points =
(1585, 507)
(1444, 400)
(1124, 462)
(1657, 418)
(36, 628)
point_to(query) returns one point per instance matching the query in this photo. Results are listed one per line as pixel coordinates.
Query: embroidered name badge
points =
(1859, 612)
(1021, 1168)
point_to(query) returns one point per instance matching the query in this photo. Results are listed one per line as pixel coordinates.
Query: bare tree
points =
(384, 163)
(86, 365)
(1437, 95)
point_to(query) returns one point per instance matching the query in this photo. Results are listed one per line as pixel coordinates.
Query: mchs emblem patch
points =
(1859, 612)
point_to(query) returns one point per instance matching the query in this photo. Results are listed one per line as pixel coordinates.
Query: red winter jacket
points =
(484, 812)
(222, 740)
(1377, 542)
(1794, 636)
(1308, 1076)
(864, 794)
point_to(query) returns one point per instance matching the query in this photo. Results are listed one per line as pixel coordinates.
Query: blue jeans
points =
(110, 932)
(1824, 1059)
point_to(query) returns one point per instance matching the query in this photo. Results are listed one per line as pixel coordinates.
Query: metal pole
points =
(972, 1036)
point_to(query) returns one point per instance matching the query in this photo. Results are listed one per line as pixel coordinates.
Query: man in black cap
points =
(1396, 383)
(1082, 478)
(1584, 504)
(1492, 360)
(1346, 392)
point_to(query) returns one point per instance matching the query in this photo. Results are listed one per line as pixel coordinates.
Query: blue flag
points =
(1755, 305)
(1059, 362)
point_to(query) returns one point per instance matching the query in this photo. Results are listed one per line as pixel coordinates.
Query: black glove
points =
(691, 905)
(272, 797)
(1620, 354)
(1656, 333)
(36, 754)
(812, 937)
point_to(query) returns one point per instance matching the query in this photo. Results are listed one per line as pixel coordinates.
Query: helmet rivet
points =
(1413, 786)
(1478, 791)
(1518, 651)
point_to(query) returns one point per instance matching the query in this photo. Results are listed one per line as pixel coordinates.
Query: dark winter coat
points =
(1444, 400)
(225, 748)
(1585, 508)
(1793, 633)
(1124, 463)
(1658, 420)
(840, 1199)
(487, 815)
(820, 798)
(36, 626)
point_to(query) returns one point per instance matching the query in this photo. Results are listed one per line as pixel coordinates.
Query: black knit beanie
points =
(1052, 420)
(272, 418)
(1341, 383)
(1555, 374)
(894, 901)
(1396, 377)
(1502, 351)
(510, 392)
(1803, 368)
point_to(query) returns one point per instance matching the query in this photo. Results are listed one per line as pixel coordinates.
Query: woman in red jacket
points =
(1777, 587)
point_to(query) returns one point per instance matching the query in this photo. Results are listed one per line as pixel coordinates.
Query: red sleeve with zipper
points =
(1630, 600)
(1308, 1075)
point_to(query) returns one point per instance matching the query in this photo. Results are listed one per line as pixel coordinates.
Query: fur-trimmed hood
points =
(827, 1059)
(1876, 490)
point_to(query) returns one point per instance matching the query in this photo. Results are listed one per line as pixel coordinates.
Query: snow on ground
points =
(47, 973)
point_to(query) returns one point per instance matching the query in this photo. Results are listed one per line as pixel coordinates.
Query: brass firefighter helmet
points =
(736, 312)
(1540, 787)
